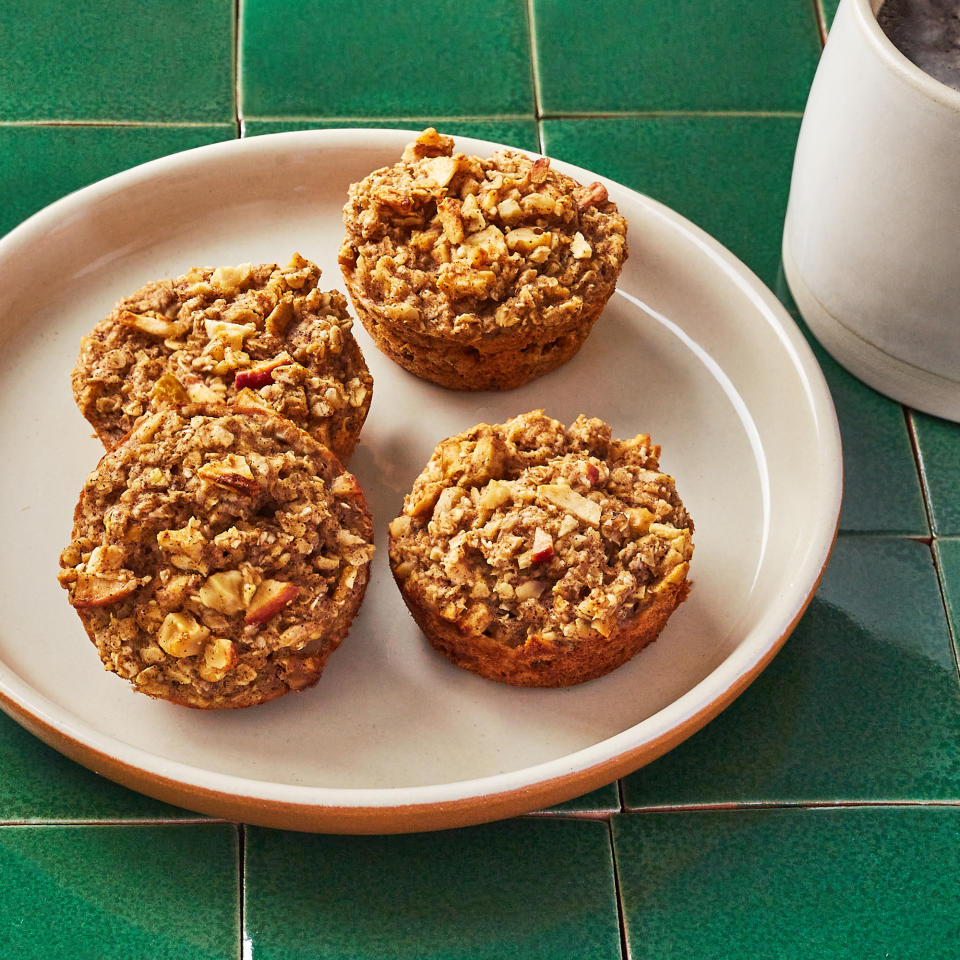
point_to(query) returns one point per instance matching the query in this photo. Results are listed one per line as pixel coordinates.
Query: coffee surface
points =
(927, 32)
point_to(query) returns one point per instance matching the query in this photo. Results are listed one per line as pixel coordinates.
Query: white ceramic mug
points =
(871, 246)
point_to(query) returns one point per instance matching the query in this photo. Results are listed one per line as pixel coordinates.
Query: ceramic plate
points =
(692, 349)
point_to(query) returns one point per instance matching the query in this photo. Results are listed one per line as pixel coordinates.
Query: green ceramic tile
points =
(97, 893)
(117, 60)
(729, 175)
(881, 486)
(384, 58)
(521, 133)
(862, 703)
(40, 164)
(601, 801)
(840, 884)
(947, 553)
(616, 56)
(938, 443)
(37, 784)
(529, 889)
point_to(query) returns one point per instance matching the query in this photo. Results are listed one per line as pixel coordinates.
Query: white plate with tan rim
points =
(692, 349)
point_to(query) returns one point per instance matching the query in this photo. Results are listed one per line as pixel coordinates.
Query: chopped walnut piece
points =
(232, 472)
(181, 635)
(219, 658)
(592, 196)
(223, 592)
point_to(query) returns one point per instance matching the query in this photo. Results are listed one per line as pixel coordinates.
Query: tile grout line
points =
(821, 19)
(765, 805)
(237, 15)
(535, 74)
(621, 921)
(174, 124)
(918, 466)
(246, 947)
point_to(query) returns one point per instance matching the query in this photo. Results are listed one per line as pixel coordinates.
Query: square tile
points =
(729, 175)
(38, 784)
(835, 884)
(620, 56)
(117, 60)
(881, 486)
(40, 164)
(861, 704)
(520, 132)
(947, 553)
(384, 58)
(938, 446)
(98, 893)
(530, 889)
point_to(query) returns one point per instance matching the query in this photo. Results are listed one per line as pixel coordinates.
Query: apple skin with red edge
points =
(271, 597)
(542, 547)
(259, 376)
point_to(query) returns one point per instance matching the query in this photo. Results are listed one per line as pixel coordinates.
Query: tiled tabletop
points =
(819, 816)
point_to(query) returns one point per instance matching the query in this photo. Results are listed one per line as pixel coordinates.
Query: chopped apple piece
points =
(181, 636)
(345, 485)
(168, 389)
(159, 327)
(232, 472)
(571, 501)
(542, 546)
(280, 316)
(100, 590)
(593, 474)
(248, 399)
(223, 592)
(530, 590)
(185, 546)
(232, 334)
(257, 377)
(271, 597)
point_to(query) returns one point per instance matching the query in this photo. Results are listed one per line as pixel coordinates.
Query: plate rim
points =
(454, 803)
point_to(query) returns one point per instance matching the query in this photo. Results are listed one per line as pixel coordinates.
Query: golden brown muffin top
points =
(263, 335)
(454, 245)
(530, 529)
(211, 543)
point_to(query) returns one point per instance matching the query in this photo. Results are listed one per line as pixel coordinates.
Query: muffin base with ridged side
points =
(538, 555)
(262, 337)
(479, 274)
(218, 557)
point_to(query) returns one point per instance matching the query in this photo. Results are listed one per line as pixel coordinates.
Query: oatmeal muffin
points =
(263, 337)
(218, 557)
(479, 274)
(542, 556)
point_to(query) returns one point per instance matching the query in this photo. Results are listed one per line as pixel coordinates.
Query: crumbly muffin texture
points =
(524, 543)
(218, 556)
(264, 337)
(497, 253)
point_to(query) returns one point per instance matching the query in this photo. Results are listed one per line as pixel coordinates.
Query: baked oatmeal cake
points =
(539, 555)
(260, 336)
(218, 557)
(479, 274)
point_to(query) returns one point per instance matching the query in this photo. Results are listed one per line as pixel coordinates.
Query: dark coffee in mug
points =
(927, 32)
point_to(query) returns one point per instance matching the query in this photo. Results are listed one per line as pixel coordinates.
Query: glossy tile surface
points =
(521, 133)
(948, 562)
(841, 884)
(670, 55)
(527, 889)
(384, 58)
(602, 801)
(38, 784)
(117, 60)
(881, 485)
(729, 175)
(862, 703)
(39, 164)
(938, 446)
(99, 893)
